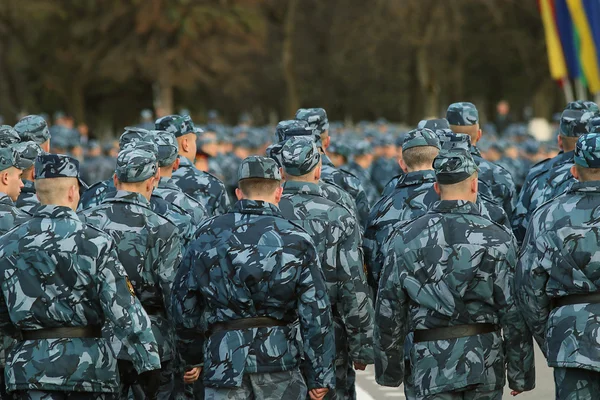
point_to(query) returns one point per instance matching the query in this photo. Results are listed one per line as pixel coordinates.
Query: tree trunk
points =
(287, 57)
(163, 95)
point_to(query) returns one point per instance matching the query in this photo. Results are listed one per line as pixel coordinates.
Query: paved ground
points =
(369, 390)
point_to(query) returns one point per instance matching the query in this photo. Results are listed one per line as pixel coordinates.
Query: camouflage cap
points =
(454, 166)
(168, 148)
(176, 124)
(274, 152)
(33, 128)
(48, 166)
(300, 156)
(28, 152)
(135, 165)
(341, 149)
(454, 141)
(134, 134)
(8, 136)
(150, 147)
(293, 127)
(587, 151)
(316, 118)
(574, 123)
(462, 114)
(583, 105)
(361, 148)
(257, 167)
(9, 157)
(434, 124)
(593, 124)
(420, 138)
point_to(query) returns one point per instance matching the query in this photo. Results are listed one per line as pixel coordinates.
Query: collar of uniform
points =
(126, 197)
(455, 207)
(326, 161)
(5, 200)
(54, 211)
(184, 162)
(28, 187)
(257, 207)
(416, 178)
(475, 151)
(586, 187)
(167, 183)
(294, 187)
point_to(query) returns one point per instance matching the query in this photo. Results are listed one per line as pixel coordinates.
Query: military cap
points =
(48, 166)
(168, 148)
(293, 127)
(274, 152)
(149, 146)
(134, 134)
(257, 167)
(593, 124)
(361, 147)
(451, 141)
(316, 118)
(340, 148)
(574, 123)
(176, 124)
(59, 115)
(420, 138)
(135, 165)
(434, 124)
(531, 147)
(299, 156)
(8, 136)
(462, 114)
(583, 105)
(9, 157)
(33, 128)
(454, 166)
(587, 151)
(28, 152)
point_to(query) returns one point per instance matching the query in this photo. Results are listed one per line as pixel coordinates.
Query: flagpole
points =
(580, 90)
(568, 90)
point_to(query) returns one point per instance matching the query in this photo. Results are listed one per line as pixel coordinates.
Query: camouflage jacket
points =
(336, 234)
(434, 279)
(252, 262)
(348, 183)
(381, 171)
(499, 180)
(149, 248)
(364, 176)
(10, 215)
(97, 169)
(95, 194)
(28, 200)
(58, 272)
(527, 202)
(202, 186)
(391, 185)
(338, 196)
(560, 257)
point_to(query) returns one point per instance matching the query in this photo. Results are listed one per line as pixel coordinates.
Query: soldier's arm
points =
(124, 312)
(187, 309)
(224, 203)
(316, 323)
(517, 338)
(391, 322)
(169, 257)
(356, 304)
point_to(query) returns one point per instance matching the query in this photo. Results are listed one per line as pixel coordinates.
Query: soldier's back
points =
(27, 200)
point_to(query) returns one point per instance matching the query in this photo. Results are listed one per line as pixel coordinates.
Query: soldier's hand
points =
(317, 394)
(192, 375)
(150, 383)
(359, 366)
(515, 393)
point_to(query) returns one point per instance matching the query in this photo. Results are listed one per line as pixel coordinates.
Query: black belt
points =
(63, 332)
(453, 332)
(246, 323)
(576, 299)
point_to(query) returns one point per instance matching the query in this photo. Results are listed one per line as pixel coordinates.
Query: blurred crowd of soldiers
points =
(246, 262)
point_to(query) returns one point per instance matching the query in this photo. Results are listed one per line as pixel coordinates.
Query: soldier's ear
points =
(239, 194)
(436, 187)
(318, 172)
(403, 165)
(474, 185)
(278, 194)
(176, 164)
(574, 172)
(4, 177)
(560, 143)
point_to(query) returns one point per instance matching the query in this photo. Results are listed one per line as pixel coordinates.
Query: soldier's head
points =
(293, 127)
(583, 105)
(168, 158)
(586, 158)
(184, 130)
(573, 124)
(57, 180)
(434, 124)
(8, 136)
(137, 171)
(456, 175)
(259, 179)
(464, 118)
(34, 128)
(134, 134)
(362, 153)
(301, 160)
(28, 152)
(317, 120)
(339, 153)
(420, 148)
(11, 169)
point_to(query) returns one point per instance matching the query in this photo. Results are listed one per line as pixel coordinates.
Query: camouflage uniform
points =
(28, 152)
(501, 183)
(10, 216)
(60, 272)
(202, 186)
(149, 248)
(435, 280)
(553, 177)
(364, 175)
(558, 260)
(336, 234)
(248, 263)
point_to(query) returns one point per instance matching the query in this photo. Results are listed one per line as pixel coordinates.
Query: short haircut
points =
(51, 190)
(568, 142)
(470, 130)
(416, 156)
(588, 174)
(457, 187)
(258, 187)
